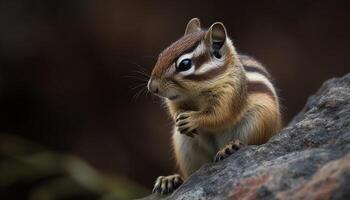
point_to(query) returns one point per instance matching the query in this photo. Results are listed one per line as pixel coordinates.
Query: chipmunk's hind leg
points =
(229, 149)
(167, 184)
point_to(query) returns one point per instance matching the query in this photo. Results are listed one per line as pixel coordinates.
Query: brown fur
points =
(170, 54)
(201, 59)
(250, 64)
(221, 103)
(259, 87)
(266, 118)
(258, 70)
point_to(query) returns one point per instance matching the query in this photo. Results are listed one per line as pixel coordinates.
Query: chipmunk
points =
(219, 100)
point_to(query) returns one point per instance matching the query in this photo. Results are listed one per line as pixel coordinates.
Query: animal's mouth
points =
(174, 97)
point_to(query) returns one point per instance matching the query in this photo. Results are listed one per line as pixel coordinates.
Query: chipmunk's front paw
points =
(167, 184)
(229, 149)
(186, 123)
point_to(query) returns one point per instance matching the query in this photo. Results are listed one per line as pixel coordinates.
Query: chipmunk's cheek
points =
(174, 95)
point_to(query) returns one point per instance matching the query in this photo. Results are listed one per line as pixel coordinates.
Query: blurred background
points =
(70, 75)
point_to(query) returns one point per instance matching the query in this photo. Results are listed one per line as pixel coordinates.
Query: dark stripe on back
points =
(258, 67)
(245, 57)
(257, 70)
(259, 87)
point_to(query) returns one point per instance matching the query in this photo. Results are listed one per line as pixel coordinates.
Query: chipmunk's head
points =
(192, 63)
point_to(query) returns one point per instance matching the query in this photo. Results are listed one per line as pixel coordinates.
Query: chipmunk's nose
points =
(153, 86)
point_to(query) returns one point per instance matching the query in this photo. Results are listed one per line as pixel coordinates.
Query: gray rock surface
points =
(309, 159)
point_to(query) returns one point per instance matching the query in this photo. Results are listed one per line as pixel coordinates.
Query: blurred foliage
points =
(30, 171)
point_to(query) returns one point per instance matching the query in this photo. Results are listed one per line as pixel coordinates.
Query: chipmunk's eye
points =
(184, 65)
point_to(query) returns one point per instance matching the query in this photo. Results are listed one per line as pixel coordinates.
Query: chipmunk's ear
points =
(193, 25)
(215, 37)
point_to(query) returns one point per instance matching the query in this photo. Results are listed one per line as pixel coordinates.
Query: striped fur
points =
(178, 48)
(259, 79)
(224, 97)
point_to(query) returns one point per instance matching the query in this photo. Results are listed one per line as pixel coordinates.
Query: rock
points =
(309, 159)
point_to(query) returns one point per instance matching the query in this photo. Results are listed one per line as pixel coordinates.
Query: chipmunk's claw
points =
(167, 184)
(229, 149)
(185, 124)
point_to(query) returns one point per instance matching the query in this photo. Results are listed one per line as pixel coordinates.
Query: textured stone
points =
(309, 159)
